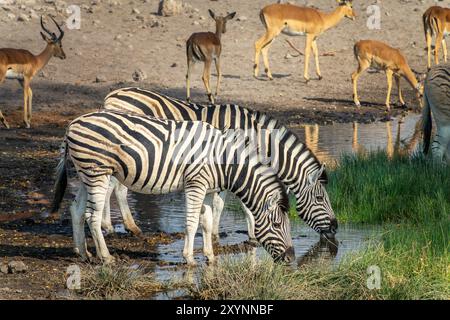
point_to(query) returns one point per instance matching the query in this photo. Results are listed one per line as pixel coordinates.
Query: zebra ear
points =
(314, 177)
(272, 201)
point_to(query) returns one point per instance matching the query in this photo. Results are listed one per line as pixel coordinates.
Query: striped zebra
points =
(437, 102)
(155, 156)
(296, 166)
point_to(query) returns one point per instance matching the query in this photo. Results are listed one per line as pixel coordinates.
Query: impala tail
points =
(61, 179)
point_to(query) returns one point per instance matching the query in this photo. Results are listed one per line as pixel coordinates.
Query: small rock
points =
(135, 11)
(174, 65)
(168, 8)
(23, 17)
(242, 18)
(139, 75)
(4, 268)
(17, 267)
(100, 78)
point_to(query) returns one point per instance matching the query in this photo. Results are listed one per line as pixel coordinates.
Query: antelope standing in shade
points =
(206, 47)
(297, 21)
(22, 65)
(437, 101)
(436, 21)
(378, 55)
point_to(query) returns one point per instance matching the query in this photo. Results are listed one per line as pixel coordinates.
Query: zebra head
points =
(313, 203)
(273, 230)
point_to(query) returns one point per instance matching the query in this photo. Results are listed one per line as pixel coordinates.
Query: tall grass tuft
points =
(373, 188)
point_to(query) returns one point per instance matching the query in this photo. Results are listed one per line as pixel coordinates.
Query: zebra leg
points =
(250, 226)
(441, 143)
(194, 201)
(121, 195)
(77, 210)
(206, 221)
(96, 193)
(106, 218)
(218, 203)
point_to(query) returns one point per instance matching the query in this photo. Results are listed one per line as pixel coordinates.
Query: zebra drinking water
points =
(155, 156)
(295, 165)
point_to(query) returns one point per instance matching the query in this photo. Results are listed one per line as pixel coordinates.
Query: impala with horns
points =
(206, 47)
(22, 65)
(297, 21)
(380, 56)
(436, 22)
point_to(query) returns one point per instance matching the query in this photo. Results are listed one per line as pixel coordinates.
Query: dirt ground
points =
(118, 37)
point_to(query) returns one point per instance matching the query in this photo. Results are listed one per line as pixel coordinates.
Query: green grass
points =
(414, 264)
(375, 189)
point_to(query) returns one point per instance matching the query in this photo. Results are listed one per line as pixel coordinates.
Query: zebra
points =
(157, 156)
(297, 167)
(437, 101)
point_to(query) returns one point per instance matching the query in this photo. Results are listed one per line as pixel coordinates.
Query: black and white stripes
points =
(295, 165)
(150, 155)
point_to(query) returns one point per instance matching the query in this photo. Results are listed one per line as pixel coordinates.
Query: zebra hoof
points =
(191, 262)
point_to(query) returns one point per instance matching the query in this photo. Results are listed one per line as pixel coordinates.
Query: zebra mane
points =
(265, 119)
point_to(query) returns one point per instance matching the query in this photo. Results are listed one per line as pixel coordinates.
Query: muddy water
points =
(166, 213)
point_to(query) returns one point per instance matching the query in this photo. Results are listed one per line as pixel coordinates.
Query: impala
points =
(22, 65)
(206, 47)
(436, 21)
(297, 21)
(380, 56)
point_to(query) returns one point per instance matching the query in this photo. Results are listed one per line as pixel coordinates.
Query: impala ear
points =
(211, 13)
(230, 16)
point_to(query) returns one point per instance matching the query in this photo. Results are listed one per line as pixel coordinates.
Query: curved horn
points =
(44, 28)
(61, 32)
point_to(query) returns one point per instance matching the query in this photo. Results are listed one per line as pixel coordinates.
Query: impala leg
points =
(121, 195)
(205, 78)
(24, 85)
(194, 202)
(389, 75)
(429, 40)
(444, 49)
(265, 54)
(399, 88)
(362, 66)
(262, 42)
(308, 46)
(188, 81)
(219, 74)
(316, 58)
(30, 104)
(439, 40)
(96, 195)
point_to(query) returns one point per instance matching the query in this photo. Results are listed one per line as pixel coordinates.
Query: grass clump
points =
(113, 282)
(374, 188)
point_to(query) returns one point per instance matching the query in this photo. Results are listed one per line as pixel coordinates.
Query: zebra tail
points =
(61, 179)
(427, 125)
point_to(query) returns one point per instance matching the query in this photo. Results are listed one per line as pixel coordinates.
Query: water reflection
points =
(329, 142)
(324, 249)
